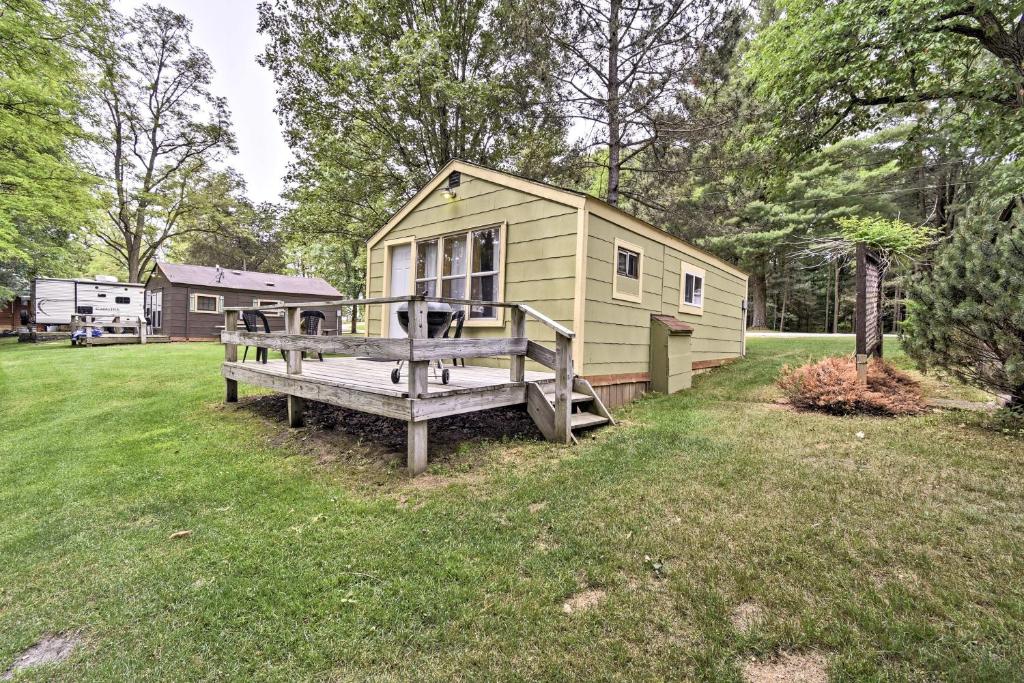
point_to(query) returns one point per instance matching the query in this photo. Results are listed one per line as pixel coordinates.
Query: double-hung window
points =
(466, 265)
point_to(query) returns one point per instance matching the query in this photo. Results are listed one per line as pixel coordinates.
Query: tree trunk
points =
(759, 294)
(785, 300)
(828, 299)
(614, 143)
(835, 300)
(352, 323)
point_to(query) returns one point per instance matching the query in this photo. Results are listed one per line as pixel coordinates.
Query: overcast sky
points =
(226, 30)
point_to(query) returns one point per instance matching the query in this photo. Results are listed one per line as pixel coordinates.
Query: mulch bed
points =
(378, 435)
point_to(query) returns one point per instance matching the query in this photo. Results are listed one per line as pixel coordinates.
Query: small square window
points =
(123, 299)
(628, 263)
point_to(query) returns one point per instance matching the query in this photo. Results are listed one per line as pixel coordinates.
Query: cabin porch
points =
(557, 401)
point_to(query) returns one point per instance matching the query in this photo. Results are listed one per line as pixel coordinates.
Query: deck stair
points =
(588, 411)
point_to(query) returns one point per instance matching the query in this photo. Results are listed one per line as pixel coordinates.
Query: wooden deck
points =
(364, 374)
(360, 379)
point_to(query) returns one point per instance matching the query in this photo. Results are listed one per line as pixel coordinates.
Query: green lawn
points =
(896, 555)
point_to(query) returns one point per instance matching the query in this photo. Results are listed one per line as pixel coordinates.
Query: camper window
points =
(122, 300)
(84, 310)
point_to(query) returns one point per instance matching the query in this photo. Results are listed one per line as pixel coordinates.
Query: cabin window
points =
(627, 282)
(263, 303)
(629, 263)
(426, 268)
(691, 289)
(466, 265)
(207, 303)
(122, 299)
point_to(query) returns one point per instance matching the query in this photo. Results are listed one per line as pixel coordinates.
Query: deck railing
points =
(88, 323)
(418, 350)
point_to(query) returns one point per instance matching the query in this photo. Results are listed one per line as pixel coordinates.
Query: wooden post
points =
(142, 330)
(295, 403)
(88, 332)
(563, 388)
(517, 365)
(230, 356)
(416, 460)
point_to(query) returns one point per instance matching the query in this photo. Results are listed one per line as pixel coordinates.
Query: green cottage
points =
(648, 309)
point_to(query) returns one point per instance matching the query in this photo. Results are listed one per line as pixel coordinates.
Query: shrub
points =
(831, 386)
(966, 312)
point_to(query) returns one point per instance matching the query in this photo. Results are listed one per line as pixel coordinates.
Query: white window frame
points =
(498, 319)
(193, 302)
(260, 303)
(696, 272)
(621, 244)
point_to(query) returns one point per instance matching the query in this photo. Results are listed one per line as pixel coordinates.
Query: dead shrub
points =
(831, 386)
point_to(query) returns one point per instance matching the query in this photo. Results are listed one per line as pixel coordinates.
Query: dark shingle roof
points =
(206, 276)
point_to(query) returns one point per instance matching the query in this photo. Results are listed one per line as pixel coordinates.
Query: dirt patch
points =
(534, 508)
(49, 649)
(584, 600)
(787, 667)
(746, 615)
(335, 434)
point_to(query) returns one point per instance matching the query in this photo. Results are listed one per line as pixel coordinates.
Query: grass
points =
(896, 555)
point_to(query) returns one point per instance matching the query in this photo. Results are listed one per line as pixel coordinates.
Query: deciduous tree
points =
(163, 130)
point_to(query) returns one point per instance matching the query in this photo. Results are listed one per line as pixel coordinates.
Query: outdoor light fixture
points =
(454, 180)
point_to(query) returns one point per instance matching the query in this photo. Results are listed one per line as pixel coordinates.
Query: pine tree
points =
(966, 315)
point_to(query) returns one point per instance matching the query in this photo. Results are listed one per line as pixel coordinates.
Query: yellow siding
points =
(617, 332)
(539, 259)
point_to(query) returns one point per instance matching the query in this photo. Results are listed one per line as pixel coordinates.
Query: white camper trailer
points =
(55, 301)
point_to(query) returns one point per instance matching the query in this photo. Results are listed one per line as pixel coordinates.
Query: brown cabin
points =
(187, 302)
(10, 315)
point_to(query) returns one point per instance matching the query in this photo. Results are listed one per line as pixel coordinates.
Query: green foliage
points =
(966, 315)
(163, 134)
(837, 68)
(894, 238)
(45, 193)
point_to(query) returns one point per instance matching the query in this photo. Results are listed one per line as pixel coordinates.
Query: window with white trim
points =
(263, 303)
(207, 303)
(465, 265)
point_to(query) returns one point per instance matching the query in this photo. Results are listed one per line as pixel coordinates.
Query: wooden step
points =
(576, 397)
(587, 420)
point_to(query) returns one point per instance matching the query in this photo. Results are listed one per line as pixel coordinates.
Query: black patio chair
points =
(458, 319)
(311, 320)
(251, 319)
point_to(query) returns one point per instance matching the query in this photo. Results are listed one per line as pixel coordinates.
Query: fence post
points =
(142, 330)
(296, 405)
(418, 431)
(563, 388)
(230, 356)
(517, 365)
